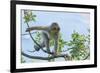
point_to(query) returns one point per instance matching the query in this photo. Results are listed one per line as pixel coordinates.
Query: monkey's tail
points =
(36, 28)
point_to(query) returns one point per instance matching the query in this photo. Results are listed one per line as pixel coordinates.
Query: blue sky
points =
(68, 22)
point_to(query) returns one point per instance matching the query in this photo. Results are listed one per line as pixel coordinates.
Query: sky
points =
(68, 22)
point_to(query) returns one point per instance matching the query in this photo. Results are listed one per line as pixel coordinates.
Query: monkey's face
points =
(55, 28)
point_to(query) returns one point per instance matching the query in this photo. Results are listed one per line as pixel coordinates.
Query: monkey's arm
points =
(37, 28)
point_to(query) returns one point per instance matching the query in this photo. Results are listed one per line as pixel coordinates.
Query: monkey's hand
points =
(54, 53)
(28, 29)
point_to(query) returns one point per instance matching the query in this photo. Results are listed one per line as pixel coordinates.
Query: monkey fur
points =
(48, 33)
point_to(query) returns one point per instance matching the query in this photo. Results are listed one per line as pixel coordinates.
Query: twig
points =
(32, 51)
(27, 34)
(87, 56)
(65, 50)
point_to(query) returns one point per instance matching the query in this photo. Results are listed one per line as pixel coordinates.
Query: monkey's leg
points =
(55, 44)
(47, 45)
(38, 47)
(46, 40)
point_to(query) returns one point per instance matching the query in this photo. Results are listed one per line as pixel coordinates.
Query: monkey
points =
(48, 33)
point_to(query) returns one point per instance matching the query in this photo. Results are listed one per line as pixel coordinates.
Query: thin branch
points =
(65, 58)
(32, 51)
(27, 34)
(44, 58)
(65, 50)
(87, 56)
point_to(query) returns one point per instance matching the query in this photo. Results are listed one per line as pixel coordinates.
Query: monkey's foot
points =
(54, 54)
(37, 48)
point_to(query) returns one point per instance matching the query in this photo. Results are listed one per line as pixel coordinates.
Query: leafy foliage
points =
(22, 59)
(38, 37)
(61, 44)
(29, 16)
(77, 44)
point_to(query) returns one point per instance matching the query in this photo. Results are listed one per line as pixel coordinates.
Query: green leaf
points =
(29, 16)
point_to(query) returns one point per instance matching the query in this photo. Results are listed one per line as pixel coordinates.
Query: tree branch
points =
(27, 34)
(44, 58)
(87, 56)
